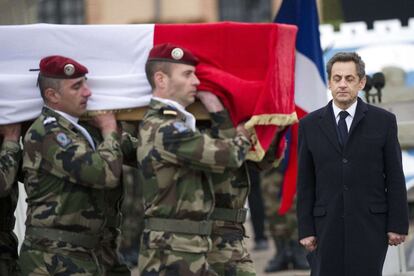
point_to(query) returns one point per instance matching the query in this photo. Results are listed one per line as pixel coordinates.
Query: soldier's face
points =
(182, 84)
(345, 84)
(73, 96)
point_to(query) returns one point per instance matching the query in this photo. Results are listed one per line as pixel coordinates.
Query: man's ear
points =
(52, 96)
(362, 83)
(160, 79)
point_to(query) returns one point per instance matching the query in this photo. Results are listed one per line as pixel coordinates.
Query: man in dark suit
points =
(352, 200)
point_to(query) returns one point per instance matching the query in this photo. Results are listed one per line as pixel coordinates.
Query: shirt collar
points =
(68, 117)
(351, 110)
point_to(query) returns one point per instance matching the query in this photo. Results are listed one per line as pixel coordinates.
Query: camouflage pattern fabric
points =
(113, 199)
(283, 228)
(280, 227)
(132, 208)
(176, 164)
(132, 216)
(155, 262)
(65, 181)
(109, 255)
(229, 254)
(10, 156)
(37, 263)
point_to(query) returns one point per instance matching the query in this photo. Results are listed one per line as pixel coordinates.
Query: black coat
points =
(350, 197)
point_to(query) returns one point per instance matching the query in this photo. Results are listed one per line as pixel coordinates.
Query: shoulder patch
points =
(181, 127)
(63, 139)
(49, 120)
(169, 112)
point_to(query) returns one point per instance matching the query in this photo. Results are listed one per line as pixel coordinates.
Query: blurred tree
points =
(332, 12)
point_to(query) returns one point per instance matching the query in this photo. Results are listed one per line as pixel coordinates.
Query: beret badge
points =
(69, 69)
(177, 53)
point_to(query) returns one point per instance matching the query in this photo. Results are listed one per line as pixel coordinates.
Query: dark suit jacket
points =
(350, 197)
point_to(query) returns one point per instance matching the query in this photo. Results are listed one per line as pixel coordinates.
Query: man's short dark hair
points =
(345, 57)
(151, 67)
(45, 83)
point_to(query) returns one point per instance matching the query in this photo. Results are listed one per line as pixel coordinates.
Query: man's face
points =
(181, 85)
(73, 96)
(345, 84)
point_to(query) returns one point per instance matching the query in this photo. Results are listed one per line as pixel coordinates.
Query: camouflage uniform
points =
(109, 244)
(65, 181)
(283, 228)
(178, 194)
(229, 255)
(132, 207)
(10, 156)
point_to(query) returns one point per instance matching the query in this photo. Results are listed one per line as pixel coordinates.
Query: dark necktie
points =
(342, 128)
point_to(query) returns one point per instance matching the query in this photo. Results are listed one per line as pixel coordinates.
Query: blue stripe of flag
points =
(304, 14)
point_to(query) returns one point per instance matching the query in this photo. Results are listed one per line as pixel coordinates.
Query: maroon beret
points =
(172, 53)
(60, 67)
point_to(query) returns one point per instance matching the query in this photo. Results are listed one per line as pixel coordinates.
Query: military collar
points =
(68, 122)
(170, 102)
(166, 107)
(61, 120)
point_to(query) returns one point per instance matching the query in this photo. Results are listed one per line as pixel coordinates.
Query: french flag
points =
(310, 87)
(250, 66)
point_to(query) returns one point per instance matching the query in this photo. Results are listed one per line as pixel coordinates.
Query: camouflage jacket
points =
(232, 187)
(10, 156)
(112, 211)
(65, 178)
(176, 163)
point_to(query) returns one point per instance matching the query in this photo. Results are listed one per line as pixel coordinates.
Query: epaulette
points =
(49, 120)
(50, 123)
(169, 112)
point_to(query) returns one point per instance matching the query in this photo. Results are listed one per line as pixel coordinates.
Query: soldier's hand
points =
(11, 132)
(310, 243)
(395, 239)
(105, 122)
(210, 101)
(241, 129)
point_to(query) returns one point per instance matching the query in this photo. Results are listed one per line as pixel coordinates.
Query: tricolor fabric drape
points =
(249, 66)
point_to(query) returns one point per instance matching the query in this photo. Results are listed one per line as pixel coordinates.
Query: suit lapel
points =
(359, 115)
(328, 126)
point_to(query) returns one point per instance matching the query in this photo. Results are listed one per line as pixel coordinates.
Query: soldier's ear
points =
(52, 96)
(160, 79)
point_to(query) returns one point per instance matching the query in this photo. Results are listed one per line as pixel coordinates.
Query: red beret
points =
(172, 53)
(60, 67)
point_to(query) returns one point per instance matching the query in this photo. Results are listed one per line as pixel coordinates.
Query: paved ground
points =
(260, 259)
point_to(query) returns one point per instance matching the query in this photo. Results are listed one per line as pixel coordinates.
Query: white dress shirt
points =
(351, 111)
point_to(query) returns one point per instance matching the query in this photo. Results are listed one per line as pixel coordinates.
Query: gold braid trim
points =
(266, 119)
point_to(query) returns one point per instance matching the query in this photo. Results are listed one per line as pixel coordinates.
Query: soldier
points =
(283, 228)
(10, 156)
(108, 253)
(229, 255)
(132, 207)
(65, 176)
(176, 161)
